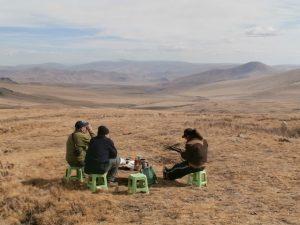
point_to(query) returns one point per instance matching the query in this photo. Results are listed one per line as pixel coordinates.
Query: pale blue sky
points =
(75, 31)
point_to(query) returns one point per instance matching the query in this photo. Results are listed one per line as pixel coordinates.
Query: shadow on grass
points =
(168, 183)
(55, 182)
(43, 183)
(122, 181)
(161, 183)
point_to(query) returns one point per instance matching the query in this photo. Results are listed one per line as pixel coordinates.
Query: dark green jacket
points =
(82, 141)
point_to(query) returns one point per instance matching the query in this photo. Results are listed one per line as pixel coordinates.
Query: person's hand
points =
(174, 148)
(89, 128)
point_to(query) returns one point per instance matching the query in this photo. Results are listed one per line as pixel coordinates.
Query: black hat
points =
(188, 132)
(103, 130)
(81, 123)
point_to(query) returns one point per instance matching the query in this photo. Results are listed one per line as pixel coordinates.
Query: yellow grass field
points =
(253, 169)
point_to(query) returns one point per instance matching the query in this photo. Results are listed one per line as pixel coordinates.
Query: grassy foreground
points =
(253, 171)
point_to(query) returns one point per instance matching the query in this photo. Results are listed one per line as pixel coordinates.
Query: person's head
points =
(103, 131)
(81, 126)
(190, 133)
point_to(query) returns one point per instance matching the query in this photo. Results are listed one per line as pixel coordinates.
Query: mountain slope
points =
(281, 85)
(7, 80)
(5, 92)
(212, 76)
(286, 84)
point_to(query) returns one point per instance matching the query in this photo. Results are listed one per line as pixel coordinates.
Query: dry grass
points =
(253, 177)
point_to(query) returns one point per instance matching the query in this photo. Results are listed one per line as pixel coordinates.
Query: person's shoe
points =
(112, 182)
(166, 168)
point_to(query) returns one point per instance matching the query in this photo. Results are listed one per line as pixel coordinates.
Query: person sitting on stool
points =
(102, 156)
(78, 143)
(194, 156)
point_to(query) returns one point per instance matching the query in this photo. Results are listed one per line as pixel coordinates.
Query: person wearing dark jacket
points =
(194, 156)
(102, 155)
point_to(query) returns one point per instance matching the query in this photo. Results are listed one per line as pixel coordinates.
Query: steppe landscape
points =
(249, 113)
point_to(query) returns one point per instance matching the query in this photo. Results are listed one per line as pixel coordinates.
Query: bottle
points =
(137, 163)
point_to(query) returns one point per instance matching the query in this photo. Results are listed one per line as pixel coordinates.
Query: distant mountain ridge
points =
(170, 75)
(123, 71)
(41, 75)
(155, 69)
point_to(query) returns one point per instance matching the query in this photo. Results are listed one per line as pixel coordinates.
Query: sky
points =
(202, 31)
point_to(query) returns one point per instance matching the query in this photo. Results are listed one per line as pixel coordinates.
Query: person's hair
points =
(196, 134)
(192, 133)
(102, 131)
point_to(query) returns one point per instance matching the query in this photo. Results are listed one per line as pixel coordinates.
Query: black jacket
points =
(195, 153)
(100, 150)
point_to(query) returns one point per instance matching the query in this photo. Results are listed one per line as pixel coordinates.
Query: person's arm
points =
(113, 153)
(174, 148)
(205, 144)
(78, 144)
(82, 141)
(90, 130)
(184, 153)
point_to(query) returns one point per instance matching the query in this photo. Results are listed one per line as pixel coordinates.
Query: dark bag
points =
(77, 151)
(150, 174)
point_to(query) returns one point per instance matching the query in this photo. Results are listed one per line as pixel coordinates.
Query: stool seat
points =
(79, 173)
(137, 183)
(199, 178)
(97, 181)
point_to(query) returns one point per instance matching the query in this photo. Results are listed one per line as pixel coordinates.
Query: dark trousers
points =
(110, 167)
(180, 170)
(77, 164)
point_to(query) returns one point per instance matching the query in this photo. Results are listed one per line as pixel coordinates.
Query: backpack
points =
(150, 174)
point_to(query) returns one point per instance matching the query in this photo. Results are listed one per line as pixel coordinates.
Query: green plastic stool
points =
(79, 173)
(137, 183)
(199, 178)
(97, 181)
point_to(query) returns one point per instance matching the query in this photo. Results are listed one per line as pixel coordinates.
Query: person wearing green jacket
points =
(78, 143)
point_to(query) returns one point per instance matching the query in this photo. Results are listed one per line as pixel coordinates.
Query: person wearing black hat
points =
(194, 156)
(78, 142)
(102, 155)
